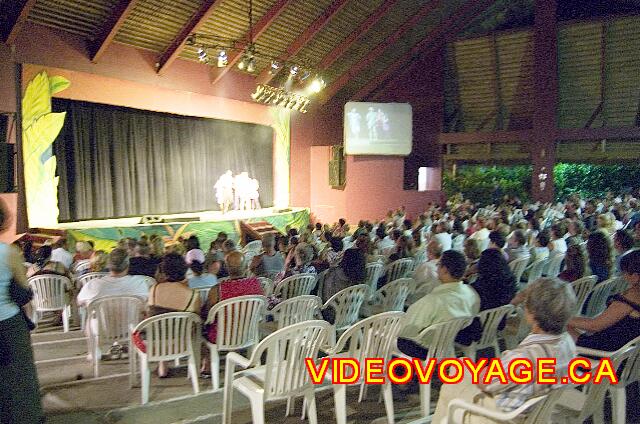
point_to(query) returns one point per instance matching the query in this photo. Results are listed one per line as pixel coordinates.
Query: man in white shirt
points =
(426, 274)
(117, 283)
(558, 245)
(443, 236)
(482, 234)
(451, 299)
(61, 254)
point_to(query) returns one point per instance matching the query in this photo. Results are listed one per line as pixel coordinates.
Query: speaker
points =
(151, 219)
(337, 168)
(6, 157)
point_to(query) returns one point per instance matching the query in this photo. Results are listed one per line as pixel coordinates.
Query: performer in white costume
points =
(242, 187)
(254, 195)
(224, 191)
(354, 119)
(372, 117)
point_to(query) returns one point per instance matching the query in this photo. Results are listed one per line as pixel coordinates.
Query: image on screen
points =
(377, 128)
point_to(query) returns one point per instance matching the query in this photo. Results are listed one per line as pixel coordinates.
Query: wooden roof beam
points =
(299, 43)
(198, 19)
(434, 40)
(111, 27)
(258, 29)
(342, 80)
(358, 33)
(17, 16)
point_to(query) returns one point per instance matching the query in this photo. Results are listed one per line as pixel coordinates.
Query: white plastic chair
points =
(149, 281)
(374, 272)
(253, 246)
(295, 310)
(518, 266)
(296, 285)
(626, 362)
(346, 306)
(80, 282)
(420, 257)
(248, 257)
(50, 294)
(598, 296)
(283, 373)
(554, 265)
(373, 337)
(111, 319)
(266, 284)
(80, 266)
(168, 337)
(203, 292)
(536, 269)
(378, 258)
(441, 338)
(390, 297)
(236, 322)
(582, 287)
(399, 269)
(540, 409)
(490, 320)
(458, 242)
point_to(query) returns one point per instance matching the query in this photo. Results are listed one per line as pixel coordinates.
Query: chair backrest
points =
(248, 257)
(373, 337)
(442, 335)
(170, 336)
(627, 362)
(535, 270)
(49, 292)
(419, 257)
(374, 272)
(518, 266)
(295, 310)
(84, 279)
(203, 292)
(80, 266)
(296, 285)
(393, 295)
(346, 305)
(236, 321)
(619, 285)
(112, 317)
(582, 287)
(490, 320)
(554, 265)
(149, 281)
(284, 353)
(598, 296)
(378, 258)
(253, 246)
(399, 269)
(541, 411)
(267, 285)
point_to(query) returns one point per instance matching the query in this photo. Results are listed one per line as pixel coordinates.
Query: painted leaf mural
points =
(40, 127)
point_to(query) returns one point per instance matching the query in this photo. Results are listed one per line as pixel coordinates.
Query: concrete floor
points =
(72, 395)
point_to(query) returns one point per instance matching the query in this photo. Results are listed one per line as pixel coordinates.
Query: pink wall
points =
(374, 185)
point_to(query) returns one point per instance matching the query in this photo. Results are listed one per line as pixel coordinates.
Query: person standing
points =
(20, 392)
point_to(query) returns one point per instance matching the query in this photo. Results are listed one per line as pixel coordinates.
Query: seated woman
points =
(600, 255)
(549, 303)
(270, 261)
(171, 293)
(302, 257)
(575, 264)
(236, 285)
(202, 277)
(98, 261)
(472, 255)
(402, 249)
(496, 285)
(350, 272)
(620, 322)
(83, 251)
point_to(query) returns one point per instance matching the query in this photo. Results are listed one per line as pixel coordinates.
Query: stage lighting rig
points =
(212, 49)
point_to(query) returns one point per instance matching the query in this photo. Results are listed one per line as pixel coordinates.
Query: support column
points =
(545, 72)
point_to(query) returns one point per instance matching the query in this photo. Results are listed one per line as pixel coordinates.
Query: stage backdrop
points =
(117, 161)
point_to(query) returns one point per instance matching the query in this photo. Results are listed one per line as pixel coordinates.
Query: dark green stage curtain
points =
(117, 162)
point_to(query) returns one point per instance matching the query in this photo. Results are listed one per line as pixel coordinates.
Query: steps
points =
(250, 231)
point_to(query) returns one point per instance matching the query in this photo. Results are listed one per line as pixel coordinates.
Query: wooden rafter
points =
(343, 79)
(111, 27)
(258, 29)
(17, 18)
(434, 40)
(358, 33)
(198, 19)
(299, 43)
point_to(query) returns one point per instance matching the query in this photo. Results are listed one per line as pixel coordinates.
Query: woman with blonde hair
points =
(98, 261)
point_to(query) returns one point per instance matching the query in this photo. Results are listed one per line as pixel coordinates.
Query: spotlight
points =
(243, 63)
(223, 60)
(294, 70)
(251, 64)
(317, 85)
(305, 75)
(202, 55)
(275, 66)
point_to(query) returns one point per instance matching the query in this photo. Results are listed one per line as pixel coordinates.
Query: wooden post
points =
(545, 68)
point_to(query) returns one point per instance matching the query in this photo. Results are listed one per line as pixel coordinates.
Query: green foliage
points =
(477, 182)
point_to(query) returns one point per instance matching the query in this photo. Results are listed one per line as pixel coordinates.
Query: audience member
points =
(61, 254)
(497, 241)
(142, 263)
(269, 262)
(83, 251)
(117, 283)
(44, 264)
(426, 274)
(99, 261)
(194, 253)
(349, 272)
(620, 322)
(451, 299)
(600, 255)
(575, 264)
(623, 244)
(516, 246)
(200, 278)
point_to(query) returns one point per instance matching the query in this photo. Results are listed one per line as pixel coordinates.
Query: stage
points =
(105, 233)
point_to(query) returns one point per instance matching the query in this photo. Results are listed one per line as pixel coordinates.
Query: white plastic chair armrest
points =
(495, 415)
(585, 351)
(235, 359)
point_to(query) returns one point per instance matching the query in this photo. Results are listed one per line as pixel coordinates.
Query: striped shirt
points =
(511, 396)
